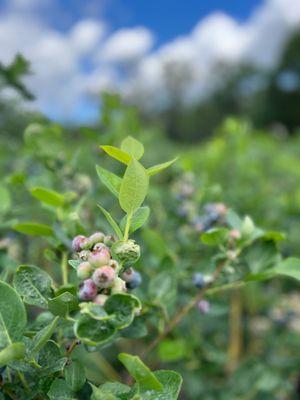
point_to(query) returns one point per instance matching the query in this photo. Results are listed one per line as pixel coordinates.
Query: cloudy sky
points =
(78, 48)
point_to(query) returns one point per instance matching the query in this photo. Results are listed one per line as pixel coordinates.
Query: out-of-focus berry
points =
(235, 234)
(84, 270)
(127, 252)
(204, 306)
(87, 290)
(99, 258)
(135, 281)
(104, 276)
(100, 299)
(198, 280)
(77, 241)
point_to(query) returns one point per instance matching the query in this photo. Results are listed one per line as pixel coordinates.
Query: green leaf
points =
(50, 359)
(42, 337)
(75, 376)
(12, 315)
(289, 267)
(48, 196)
(110, 391)
(33, 229)
(74, 263)
(133, 147)
(33, 285)
(110, 180)
(172, 350)
(112, 222)
(95, 311)
(160, 167)
(5, 200)
(93, 332)
(63, 304)
(14, 351)
(234, 220)
(117, 153)
(136, 330)
(134, 187)
(163, 288)
(123, 307)
(215, 236)
(138, 219)
(60, 391)
(145, 379)
(171, 382)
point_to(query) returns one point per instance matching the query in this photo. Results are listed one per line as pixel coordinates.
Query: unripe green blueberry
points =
(104, 276)
(84, 270)
(109, 240)
(127, 252)
(99, 246)
(77, 241)
(96, 237)
(114, 264)
(119, 286)
(100, 299)
(84, 255)
(87, 290)
(85, 244)
(99, 258)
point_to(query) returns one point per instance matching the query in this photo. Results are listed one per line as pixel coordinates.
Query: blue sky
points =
(78, 48)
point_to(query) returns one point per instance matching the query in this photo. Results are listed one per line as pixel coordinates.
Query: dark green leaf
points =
(75, 376)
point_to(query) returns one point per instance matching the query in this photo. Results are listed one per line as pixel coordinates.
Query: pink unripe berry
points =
(77, 241)
(96, 237)
(104, 276)
(84, 270)
(88, 290)
(204, 306)
(98, 247)
(100, 299)
(99, 258)
(235, 234)
(127, 275)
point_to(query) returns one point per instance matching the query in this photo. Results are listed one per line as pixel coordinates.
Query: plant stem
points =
(127, 227)
(182, 313)
(23, 380)
(64, 268)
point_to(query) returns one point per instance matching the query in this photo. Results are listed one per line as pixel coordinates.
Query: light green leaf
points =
(112, 222)
(215, 236)
(134, 187)
(33, 285)
(34, 229)
(48, 196)
(172, 350)
(42, 337)
(110, 180)
(117, 153)
(138, 219)
(160, 167)
(74, 263)
(63, 304)
(171, 382)
(14, 351)
(75, 376)
(133, 147)
(5, 200)
(145, 379)
(60, 391)
(289, 267)
(110, 391)
(234, 220)
(12, 315)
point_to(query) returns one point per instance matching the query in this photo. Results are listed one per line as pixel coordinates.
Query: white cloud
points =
(127, 45)
(69, 66)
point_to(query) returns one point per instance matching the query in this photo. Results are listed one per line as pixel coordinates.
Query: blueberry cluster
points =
(104, 266)
(214, 214)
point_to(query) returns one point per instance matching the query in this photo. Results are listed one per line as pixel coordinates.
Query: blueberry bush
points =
(112, 288)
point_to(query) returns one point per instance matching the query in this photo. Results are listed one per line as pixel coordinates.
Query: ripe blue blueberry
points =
(135, 280)
(198, 280)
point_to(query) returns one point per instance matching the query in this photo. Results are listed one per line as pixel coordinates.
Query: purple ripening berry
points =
(204, 306)
(104, 276)
(87, 290)
(84, 270)
(76, 242)
(99, 258)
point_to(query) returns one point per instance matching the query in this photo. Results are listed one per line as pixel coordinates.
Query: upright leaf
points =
(289, 267)
(160, 167)
(12, 315)
(133, 147)
(14, 351)
(111, 221)
(117, 153)
(134, 187)
(48, 196)
(110, 180)
(138, 219)
(33, 285)
(145, 379)
(75, 375)
(42, 337)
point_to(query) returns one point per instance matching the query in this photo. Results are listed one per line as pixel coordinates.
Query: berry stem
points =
(64, 268)
(127, 227)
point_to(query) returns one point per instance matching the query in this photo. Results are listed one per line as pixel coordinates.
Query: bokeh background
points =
(216, 82)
